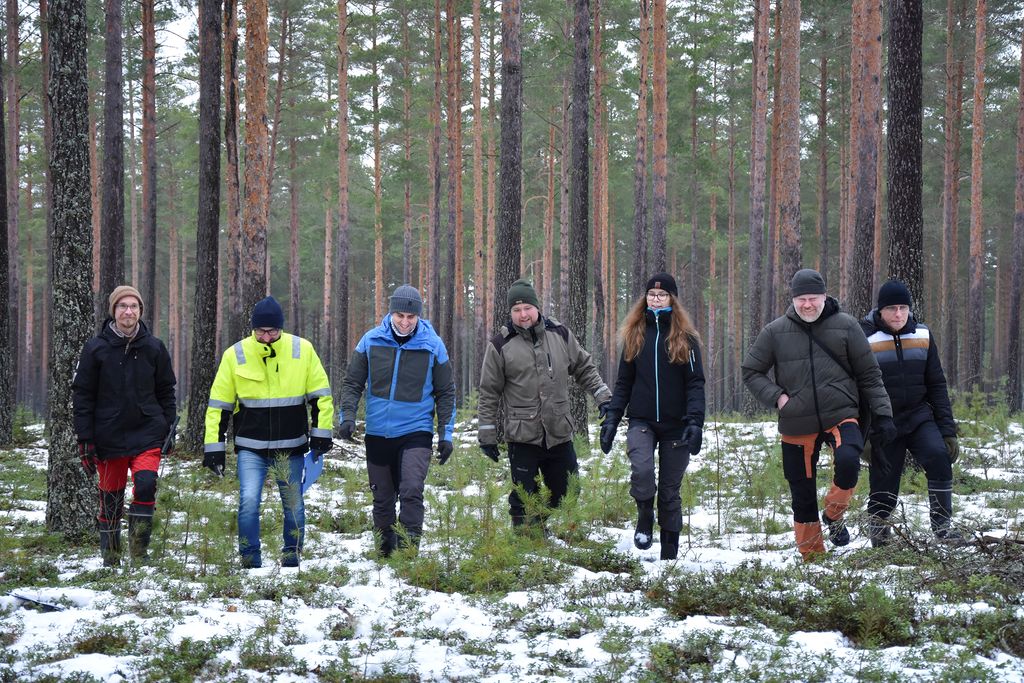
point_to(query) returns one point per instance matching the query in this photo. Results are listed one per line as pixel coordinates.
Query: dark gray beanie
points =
(522, 292)
(406, 299)
(806, 281)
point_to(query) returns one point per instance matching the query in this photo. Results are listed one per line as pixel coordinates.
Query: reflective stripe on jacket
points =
(267, 388)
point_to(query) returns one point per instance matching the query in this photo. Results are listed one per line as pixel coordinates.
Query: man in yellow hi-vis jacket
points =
(266, 380)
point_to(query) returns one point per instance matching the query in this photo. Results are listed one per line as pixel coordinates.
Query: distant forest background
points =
(326, 152)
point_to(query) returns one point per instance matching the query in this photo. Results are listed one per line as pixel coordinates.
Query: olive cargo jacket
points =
(528, 371)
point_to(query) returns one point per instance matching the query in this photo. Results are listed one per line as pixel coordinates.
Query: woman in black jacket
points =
(660, 387)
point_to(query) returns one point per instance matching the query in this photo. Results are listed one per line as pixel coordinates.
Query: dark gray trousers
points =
(663, 478)
(400, 481)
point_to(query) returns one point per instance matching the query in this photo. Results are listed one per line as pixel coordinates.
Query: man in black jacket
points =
(123, 395)
(824, 369)
(913, 376)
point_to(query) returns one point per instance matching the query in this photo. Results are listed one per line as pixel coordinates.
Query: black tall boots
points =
(940, 508)
(643, 538)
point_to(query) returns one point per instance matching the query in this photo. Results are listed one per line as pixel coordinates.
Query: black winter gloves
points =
(444, 451)
(491, 451)
(602, 410)
(214, 461)
(609, 426)
(694, 438)
(885, 428)
(952, 447)
(320, 445)
(87, 452)
(346, 429)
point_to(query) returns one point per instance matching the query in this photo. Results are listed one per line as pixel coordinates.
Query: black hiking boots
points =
(643, 537)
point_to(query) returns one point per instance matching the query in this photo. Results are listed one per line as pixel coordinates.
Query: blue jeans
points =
(252, 472)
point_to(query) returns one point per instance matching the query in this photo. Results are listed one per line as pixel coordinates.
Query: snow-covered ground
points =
(347, 616)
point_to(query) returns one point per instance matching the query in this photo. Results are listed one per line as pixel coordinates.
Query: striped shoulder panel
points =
(239, 353)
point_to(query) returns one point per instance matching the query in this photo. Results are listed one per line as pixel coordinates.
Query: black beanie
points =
(522, 292)
(663, 281)
(406, 299)
(893, 293)
(267, 313)
(806, 281)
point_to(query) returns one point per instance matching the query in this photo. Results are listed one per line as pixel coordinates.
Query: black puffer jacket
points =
(655, 389)
(821, 392)
(123, 393)
(912, 372)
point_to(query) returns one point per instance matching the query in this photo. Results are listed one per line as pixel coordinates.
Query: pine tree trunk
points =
(94, 197)
(8, 353)
(254, 212)
(510, 157)
(864, 144)
(640, 222)
(731, 357)
(1014, 394)
(173, 269)
(548, 256)
(659, 213)
(711, 341)
(342, 318)
(821, 224)
(453, 237)
(758, 180)
(772, 270)
(906, 223)
(480, 283)
(12, 188)
(71, 497)
(43, 351)
(598, 203)
(407, 241)
(579, 185)
(434, 232)
(147, 269)
(133, 185)
(691, 298)
(234, 329)
(112, 244)
(790, 257)
(564, 189)
(203, 365)
(952, 121)
(975, 344)
(492, 202)
(294, 273)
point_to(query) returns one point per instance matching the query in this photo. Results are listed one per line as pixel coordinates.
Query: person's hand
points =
(320, 445)
(214, 461)
(694, 438)
(952, 447)
(87, 453)
(444, 451)
(491, 451)
(609, 427)
(346, 429)
(885, 428)
(782, 401)
(602, 409)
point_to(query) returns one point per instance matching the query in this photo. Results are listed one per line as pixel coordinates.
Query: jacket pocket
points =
(522, 424)
(558, 422)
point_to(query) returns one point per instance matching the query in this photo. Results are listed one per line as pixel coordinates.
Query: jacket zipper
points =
(657, 378)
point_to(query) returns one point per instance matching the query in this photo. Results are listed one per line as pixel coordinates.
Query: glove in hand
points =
(491, 451)
(444, 451)
(609, 427)
(214, 461)
(602, 410)
(346, 429)
(952, 447)
(694, 438)
(320, 445)
(87, 453)
(885, 428)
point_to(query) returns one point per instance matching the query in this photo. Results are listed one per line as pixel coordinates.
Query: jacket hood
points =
(662, 315)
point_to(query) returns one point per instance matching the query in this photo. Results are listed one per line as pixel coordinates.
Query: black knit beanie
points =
(893, 293)
(267, 313)
(806, 281)
(663, 281)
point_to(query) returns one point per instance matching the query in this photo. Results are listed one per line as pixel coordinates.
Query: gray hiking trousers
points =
(673, 457)
(400, 481)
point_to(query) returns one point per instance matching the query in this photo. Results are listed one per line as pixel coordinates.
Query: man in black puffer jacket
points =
(123, 396)
(823, 366)
(916, 384)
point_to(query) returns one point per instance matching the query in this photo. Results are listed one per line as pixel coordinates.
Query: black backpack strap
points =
(831, 355)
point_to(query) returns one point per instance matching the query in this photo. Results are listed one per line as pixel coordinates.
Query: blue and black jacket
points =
(655, 389)
(408, 383)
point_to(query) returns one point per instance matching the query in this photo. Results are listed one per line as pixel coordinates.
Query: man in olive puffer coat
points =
(823, 366)
(527, 367)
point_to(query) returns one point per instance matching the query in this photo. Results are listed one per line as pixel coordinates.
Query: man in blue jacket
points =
(406, 367)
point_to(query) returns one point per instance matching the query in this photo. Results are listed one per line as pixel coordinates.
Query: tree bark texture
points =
(1014, 394)
(510, 173)
(112, 243)
(758, 173)
(8, 352)
(975, 345)
(203, 365)
(790, 257)
(864, 144)
(640, 216)
(480, 284)
(579, 172)
(821, 224)
(70, 496)
(951, 122)
(434, 231)
(339, 356)
(600, 182)
(659, 210)
(254, 212)
(12, 290)
(234, 317)
(906, 223)
(147, 272)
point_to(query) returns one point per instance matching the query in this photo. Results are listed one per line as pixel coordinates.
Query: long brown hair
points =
(634, 327)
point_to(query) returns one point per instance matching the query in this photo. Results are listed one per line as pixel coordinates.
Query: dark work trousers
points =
(397, 470)
(673, 457)
(927, 447)
(800, 466)
(555, 465)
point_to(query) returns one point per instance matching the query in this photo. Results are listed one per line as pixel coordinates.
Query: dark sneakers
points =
(837, 531)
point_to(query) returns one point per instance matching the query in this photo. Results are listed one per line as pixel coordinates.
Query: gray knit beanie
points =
(406, 299)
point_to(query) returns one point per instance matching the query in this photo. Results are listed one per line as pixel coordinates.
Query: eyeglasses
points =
(127, 307)
(266, 331)
(657, 295)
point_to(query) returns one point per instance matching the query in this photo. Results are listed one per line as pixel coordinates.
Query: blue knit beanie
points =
(267, 313)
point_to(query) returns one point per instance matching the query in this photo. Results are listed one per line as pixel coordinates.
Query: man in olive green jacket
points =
(526, 368)
(823, 365)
